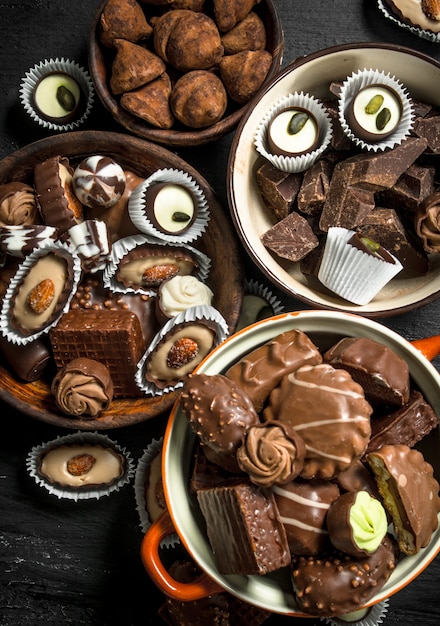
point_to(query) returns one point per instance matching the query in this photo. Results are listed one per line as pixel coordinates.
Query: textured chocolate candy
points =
(334, 584)
(277, 188)
(292, 238)
(220, 414)
(262, 369)
(314, 187)
(244, 530)
(383, 374)
(329, 410)
(427, 222)
(18, 205)
(410, 493)
(303, 507)
(98, 181)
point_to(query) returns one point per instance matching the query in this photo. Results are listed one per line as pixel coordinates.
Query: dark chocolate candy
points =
(410, 190)
(278, 189)
(29, 361)
(429, 128)
(314, 187)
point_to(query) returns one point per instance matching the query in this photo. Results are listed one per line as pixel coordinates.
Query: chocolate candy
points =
(410, 493)
(303, 506)
(328, 409)
(278, 189)
(244, 530)
(292, 238)
(374, 112)
(98, 182)
(262, 369)
(356, 523)
(383, 374)
(220, 413)
(170, 207)
(57, 97)
(293, 131)
(18, 205)
(334, 584)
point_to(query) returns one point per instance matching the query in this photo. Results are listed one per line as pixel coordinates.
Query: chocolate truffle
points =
(82, 388)
(356, 523)
(292, 132)
(220, 414)
(98, 182)
(18, 205)
(179, 293)
(271, 453)
(329, 410)
(410, 493)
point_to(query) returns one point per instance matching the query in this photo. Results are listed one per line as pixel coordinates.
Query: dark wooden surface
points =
(78, 563)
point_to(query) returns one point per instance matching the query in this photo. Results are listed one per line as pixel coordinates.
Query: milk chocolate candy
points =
(410, 493)
(386, 227)
(244, 529)
(382, 373)
(18, 205)
(278, 189)
(407, 425)
(30, 361)
(333, 584)
(261, 370)
(292, 238)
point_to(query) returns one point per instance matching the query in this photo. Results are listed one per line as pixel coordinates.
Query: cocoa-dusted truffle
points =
(303, 507)
(82, 388)
(244, 530)
(220, 413)
(123, 19)
(271, 453)
(356, 523)
(261, 370)
(98, 181)
(383, 374)
(334, 584)
(410, 493)
(329, 410)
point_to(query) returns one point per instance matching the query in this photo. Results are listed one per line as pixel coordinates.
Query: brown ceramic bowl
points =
(273, 592)
(100, 59)
(313, 74)
(226, 274)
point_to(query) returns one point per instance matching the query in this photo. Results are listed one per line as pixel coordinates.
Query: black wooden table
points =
(63, 562)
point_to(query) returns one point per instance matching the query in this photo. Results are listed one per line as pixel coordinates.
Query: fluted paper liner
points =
(365, 78)
(139, 216)
(193, 314)
(372, 616)
(254, 288)
(301, 162)
(125, 245)
(63, 66)
(351, 273)
(139, 489)
(419, 32)
(82, 493)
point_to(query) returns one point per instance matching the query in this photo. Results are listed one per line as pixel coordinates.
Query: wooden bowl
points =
(226, 275)
(100, 59)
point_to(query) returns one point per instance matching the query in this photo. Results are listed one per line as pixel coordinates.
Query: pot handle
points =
(428, 346)
(183, 592)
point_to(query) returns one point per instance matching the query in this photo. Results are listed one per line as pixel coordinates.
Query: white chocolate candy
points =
(45, 96)
(284, 141)
(369, 121)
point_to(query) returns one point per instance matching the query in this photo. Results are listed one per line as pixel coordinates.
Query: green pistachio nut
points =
(374, 104)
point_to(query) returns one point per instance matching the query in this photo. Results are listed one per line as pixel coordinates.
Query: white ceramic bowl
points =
(273, 592)
(313, 74)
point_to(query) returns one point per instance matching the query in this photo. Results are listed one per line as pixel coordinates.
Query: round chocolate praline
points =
(58, 98)
(292, 132)
(170, 207)
(98, 182)
(374, 112)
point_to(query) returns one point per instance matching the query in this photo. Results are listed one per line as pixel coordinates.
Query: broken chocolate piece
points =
(278, 189)
(292, 238)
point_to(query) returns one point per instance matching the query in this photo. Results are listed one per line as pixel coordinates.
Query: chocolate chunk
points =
(407, 425)
(429, 128)
(278, 189)
(292, 238)
(355, 180)
(244, 529)
(386, 227)
(412, 188)
(314, 188)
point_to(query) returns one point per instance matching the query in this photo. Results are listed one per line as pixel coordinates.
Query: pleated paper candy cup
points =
(351, 273)
(71, 69)
(368, 78)
(300, 162)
